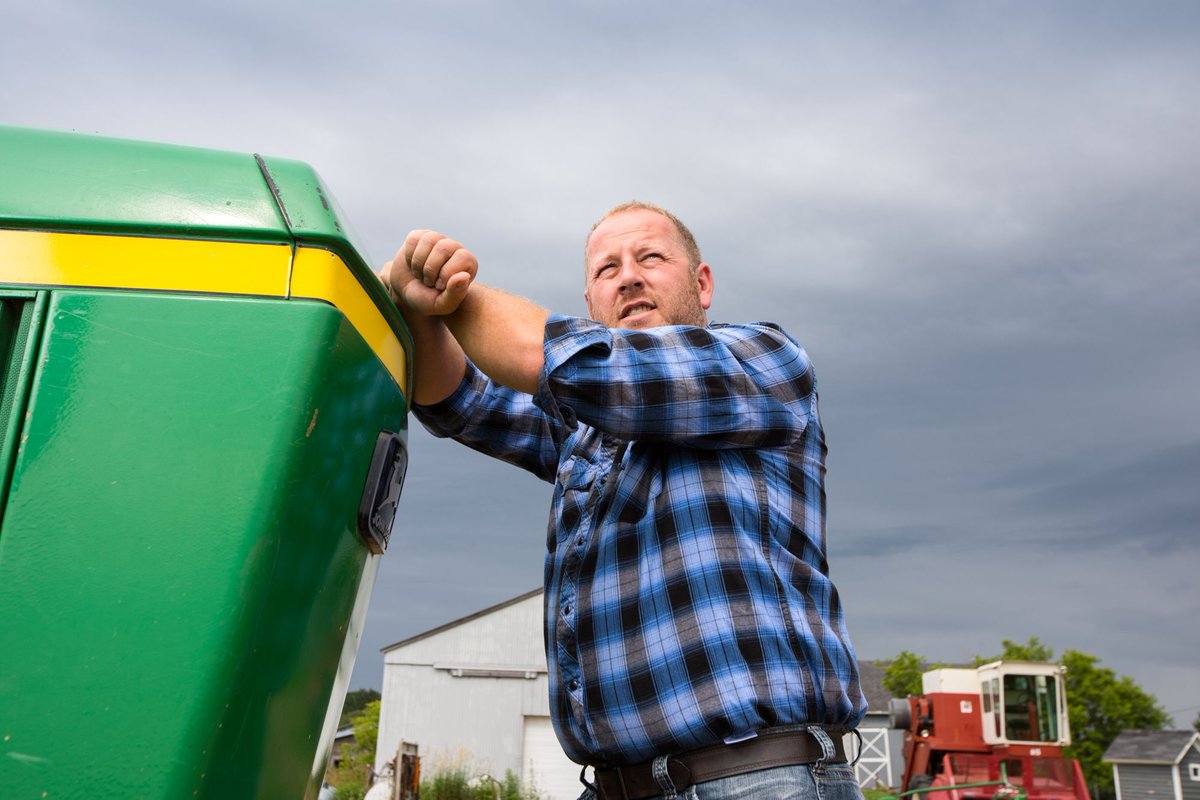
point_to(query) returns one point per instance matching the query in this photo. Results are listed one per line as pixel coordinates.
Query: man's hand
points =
(501, 333)
(431, 273)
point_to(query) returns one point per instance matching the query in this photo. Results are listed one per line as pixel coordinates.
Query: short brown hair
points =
(686, 240)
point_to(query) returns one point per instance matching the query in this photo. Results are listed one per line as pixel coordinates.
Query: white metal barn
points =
(475, 691)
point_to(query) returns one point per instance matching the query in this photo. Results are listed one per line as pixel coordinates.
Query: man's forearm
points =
(432, 279)
(438, 362)
(502, 334)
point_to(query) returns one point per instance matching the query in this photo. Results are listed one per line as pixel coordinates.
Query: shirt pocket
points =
(575, 474)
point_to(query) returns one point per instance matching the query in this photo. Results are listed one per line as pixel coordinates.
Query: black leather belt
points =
(765, 751)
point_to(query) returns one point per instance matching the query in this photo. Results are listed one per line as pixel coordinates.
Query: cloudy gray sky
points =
(978, 217)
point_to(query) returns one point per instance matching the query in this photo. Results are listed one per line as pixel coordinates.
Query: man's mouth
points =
(636, 308)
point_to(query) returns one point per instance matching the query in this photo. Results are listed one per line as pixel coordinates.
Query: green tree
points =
(1100, 705)
(366, 730)
(358, 757)
(1032, 650)
(902, 675)
(356, 701)
(1196, 722)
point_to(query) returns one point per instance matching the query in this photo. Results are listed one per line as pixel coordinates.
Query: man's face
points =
(638, 275)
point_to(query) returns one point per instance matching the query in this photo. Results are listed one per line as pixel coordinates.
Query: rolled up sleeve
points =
(718, 386)
(498, 421)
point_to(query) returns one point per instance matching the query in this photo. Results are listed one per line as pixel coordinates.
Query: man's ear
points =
(704, 284)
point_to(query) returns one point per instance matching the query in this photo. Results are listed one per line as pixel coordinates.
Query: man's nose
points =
(630, 276)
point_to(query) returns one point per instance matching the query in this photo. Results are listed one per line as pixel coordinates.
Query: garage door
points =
(545, 766)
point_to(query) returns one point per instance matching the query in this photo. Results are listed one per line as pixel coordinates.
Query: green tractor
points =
(202, 442)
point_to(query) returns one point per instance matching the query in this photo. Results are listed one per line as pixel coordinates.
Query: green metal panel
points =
(73, 182)
(315, 218)
(178, 557)
(67, 181)
(309, 208)
(20, 321)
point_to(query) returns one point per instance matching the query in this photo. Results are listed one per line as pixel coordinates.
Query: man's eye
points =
(656, 256)
(606, 269)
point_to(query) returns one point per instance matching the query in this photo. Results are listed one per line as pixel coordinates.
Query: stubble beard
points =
(681, 307)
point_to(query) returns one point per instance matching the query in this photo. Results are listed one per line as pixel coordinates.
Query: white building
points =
(474, 691)
(1156, 765)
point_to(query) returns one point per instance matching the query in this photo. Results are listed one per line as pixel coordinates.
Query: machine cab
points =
(1023, 703)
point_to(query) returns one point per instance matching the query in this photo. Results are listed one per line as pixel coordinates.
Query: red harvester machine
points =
(976, 731)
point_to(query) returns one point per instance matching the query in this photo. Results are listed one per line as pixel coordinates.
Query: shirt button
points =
(579, 540)
(567, 610)
(573, 686)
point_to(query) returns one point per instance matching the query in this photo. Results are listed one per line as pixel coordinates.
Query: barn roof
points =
(1151, 747)
(461, 620)
(870, 675)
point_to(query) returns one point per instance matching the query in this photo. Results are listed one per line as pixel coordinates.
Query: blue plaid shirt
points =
(688, 599)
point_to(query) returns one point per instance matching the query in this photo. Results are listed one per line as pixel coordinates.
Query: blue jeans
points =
(801, 782)
(818, 781)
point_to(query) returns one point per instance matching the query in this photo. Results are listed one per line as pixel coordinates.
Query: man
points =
(695, 644)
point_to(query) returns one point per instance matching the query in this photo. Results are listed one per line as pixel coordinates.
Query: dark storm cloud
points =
(977, 217)
(1149, 501)
(884, 543)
